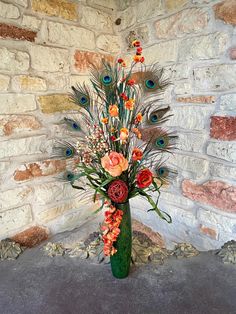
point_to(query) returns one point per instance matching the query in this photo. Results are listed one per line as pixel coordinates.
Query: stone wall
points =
(45, 47)
(195, 40)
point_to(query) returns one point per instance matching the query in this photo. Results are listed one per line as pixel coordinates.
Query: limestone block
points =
(188, 21)
(22, 146)
(14, 103)
(4, 82)
(13, 61)
(96, 19)
(109, 43)
(222, 150)
(14, 219)
(13, 124)
(69, 35)
(49, 59)
(60, 8)
(216, 77)
(190, 117)
(9, 11)
(203, 47)
(28, 83)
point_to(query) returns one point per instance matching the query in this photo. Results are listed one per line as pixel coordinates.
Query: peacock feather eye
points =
(162, 172)
(154, 118)
(161, 142)
(107, 79)
(83, 100)
(75, 126)
(69, 152)
(150, 84)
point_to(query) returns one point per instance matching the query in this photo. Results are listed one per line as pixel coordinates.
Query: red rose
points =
(144, 178)
(142, 59)
(120, 60)
(118, 192)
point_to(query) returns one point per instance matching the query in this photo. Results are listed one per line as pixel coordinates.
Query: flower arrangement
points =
(119, 143)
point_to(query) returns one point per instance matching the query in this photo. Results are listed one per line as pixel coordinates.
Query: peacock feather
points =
(151, 80)
(64, 150)
(72, 125)
(81, 96)
(158, 138)
(164, 173)
(157, 116)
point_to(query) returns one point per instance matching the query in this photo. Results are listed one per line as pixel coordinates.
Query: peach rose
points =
(114, 163)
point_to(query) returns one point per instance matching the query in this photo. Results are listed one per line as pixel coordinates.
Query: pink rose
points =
(114, 163)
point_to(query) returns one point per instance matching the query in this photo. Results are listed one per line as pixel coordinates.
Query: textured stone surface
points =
(197, 99)
(14, 197)
(111, 4)
(22, 146)
(12, 124)
(154, 236)
(11, 31)
(14, 219)
(222, 150)
(148, 8)
(31, 237)
(31, 22)
(190, 117)
(39, 169)
(49, 59)
(28, 83)
(97, 19)
(85, 59)
(223, 223)
(216, 77)
(56, 81)
(23, 3)
(128, 18)
(13, 61)
(4, 82)
(226, 11)
(219, 170)
(183, 87)
(12, 103)
(9, 11)
(198, 166)
(223, 128)
(209, 231)
(56, 103)
(175, 5)
(232, 53)
(69, 35)
(228, 102)
(109, 43)
(203, 47)
(191, 142)
(216, 193)
(62, 8)
(184, 22)
(162, 52)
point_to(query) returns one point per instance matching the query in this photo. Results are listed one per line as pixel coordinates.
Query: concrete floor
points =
(38, 284)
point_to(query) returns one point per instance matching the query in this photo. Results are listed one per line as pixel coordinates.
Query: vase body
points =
(120, 261)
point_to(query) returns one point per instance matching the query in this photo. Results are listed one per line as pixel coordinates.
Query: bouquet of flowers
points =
(118, 145)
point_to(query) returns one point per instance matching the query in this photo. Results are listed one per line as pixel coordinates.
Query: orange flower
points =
(137, 133)
(124, 134)
(138, 118)
(104, 120)
(137, 154)
(114, 163)
(129, 104)
(113, 110)
(136, 58)
(123, 64)
(131, 82)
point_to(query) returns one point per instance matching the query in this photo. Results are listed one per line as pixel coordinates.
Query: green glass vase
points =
(120, 261)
